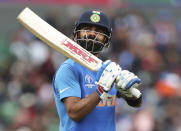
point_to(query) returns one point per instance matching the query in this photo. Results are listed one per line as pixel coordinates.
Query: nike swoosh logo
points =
(61, 91)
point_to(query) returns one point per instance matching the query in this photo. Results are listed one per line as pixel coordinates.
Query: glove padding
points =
(107, 75)
(125, 81)
(105, 79)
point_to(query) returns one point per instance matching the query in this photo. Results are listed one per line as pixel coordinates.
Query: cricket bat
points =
(60, 42)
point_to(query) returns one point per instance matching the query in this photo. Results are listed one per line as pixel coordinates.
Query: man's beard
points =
(91, 44)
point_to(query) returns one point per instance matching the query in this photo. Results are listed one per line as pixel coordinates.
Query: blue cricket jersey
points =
(74, 80)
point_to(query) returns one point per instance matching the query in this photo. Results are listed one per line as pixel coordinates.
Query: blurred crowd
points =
(151, 50)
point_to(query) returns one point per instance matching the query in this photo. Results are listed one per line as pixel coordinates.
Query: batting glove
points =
(106, 77)
(126, 82)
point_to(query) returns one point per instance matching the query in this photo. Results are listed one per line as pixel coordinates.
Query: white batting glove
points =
(105, 79)
(126, 82)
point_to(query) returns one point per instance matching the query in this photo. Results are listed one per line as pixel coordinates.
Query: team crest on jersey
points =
(89, 82)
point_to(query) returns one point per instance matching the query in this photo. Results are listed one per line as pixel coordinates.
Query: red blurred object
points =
(165, 89)
(169, 85)
(25, 116)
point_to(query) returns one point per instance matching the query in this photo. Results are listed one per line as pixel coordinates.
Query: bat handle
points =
(135, 92)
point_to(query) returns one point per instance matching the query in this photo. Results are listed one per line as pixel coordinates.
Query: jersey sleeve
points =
(66, 83)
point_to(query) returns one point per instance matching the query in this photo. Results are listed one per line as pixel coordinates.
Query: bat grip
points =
(135, 92)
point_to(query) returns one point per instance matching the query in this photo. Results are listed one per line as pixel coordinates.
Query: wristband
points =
(103, 94)
(99, 90)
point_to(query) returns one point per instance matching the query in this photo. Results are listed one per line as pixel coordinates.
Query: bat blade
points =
(57, 40)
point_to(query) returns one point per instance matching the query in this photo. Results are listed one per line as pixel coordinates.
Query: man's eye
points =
(87, 28)
(101, 31)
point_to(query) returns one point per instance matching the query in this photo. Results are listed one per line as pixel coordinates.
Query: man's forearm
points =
(78, 109)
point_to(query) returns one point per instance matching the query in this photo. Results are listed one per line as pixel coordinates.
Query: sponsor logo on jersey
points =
(104, 103)
(89, 82)
(62, 90)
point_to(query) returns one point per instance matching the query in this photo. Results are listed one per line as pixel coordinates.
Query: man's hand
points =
(106, 77)
(125, 81)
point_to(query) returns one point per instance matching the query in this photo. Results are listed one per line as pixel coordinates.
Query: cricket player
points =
(85, 100)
